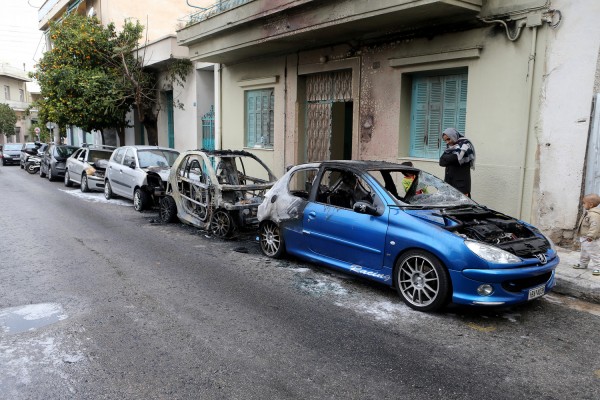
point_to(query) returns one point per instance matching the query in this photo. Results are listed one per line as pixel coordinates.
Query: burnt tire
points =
(83, 186)
(141, 200)
(68, 182)
(167, 210)
(271, 241)
(108, 193)
(422, 281)
(221, 224)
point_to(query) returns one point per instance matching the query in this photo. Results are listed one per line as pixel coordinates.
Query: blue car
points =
(408, 229)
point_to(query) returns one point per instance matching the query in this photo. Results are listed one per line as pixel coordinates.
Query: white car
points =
(138, 173)
(87, 166)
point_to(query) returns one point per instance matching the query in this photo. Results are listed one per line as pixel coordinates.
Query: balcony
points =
(258, 28)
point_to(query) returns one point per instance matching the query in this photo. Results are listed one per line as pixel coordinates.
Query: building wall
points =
(20, 107)
(565, 104)
(249, 76)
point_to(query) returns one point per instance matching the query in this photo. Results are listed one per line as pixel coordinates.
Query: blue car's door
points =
(338, 232)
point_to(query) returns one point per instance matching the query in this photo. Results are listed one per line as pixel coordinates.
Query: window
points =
(342, 189)
(119, 155)
(259, 118)
(438, 102)
(301, 181)
(21, 95)
(7, 92)
(129, 158)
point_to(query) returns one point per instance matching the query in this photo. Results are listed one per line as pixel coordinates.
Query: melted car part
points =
(494, 228)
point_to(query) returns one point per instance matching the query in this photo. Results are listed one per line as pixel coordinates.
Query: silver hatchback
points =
(139, 173)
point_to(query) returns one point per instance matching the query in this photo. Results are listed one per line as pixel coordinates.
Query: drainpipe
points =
(217, 84)
(530, 72)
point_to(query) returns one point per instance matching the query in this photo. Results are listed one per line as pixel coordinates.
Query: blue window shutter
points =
(251, 118)
(418, 125)
(438, 102)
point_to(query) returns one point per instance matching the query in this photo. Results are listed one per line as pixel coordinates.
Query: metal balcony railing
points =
(219, 7)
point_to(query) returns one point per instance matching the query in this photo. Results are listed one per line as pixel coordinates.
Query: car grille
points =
(518, 285)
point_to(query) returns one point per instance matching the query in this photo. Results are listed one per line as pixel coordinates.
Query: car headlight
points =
(491, 253)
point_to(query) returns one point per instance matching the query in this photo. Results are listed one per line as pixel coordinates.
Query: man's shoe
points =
(579, 266)
(596, 272)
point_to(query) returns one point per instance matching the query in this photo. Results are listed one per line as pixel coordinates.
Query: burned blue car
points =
(408, 229)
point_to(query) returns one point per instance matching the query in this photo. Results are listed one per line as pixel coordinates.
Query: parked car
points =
(28, 149)
(138, 173)
(87, 166)
(53, 163)
(429, 241)
(11, 153)
(217, 190)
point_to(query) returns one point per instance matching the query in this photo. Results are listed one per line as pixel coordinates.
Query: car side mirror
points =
(362, 207)
(132, 165)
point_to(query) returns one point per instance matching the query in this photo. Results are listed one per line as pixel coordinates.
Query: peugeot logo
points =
(542, 258)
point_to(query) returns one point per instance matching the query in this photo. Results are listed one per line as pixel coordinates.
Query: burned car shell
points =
(216, 190)
(418, 242)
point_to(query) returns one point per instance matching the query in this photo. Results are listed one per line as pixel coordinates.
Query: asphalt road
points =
(128, 308)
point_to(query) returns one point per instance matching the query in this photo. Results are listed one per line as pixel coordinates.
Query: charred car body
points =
(217, 190)
(138, 173)
(408, 229)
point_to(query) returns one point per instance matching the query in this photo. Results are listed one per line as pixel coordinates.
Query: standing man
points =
(459, 159)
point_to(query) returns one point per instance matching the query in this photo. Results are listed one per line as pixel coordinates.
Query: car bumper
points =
(10, 160)
(95, 183)
(510, 286)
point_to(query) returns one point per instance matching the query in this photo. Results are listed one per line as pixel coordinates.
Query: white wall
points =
(565, 105)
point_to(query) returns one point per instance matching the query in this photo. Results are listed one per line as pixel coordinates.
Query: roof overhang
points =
(260, 28)
(159, 53)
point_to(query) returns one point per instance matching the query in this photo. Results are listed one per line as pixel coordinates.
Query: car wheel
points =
(271, 241)
(108, 193)
(167, 209)
(30, 168)
(221, 224)
(141, 200)
(422, 281)
(68, 182)
(84, 184)
(42, 173)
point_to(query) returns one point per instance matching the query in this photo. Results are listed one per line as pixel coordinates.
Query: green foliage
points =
(8, 119)
(94, 75)
(44, 135)
(78, 81)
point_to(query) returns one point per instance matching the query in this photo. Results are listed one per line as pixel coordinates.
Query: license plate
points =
(536, 292)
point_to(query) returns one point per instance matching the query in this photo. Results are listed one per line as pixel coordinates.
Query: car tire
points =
(422, 281)
(42, 173)
(167, 209)
(108, 193)
(68, 182)
(221, 224)
(84, 184)
(141, 200)
(271, 241)
(30, 168)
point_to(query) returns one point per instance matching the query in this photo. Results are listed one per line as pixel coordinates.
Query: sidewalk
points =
(579, 283)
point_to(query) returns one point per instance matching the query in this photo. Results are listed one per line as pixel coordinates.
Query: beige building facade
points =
(381, 79)
(13, 91)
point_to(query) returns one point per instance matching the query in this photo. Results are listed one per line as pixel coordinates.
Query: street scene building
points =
(298, 81)
(15, 94)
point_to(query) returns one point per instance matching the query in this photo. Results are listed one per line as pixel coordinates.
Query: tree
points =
(8, 119)
(143, 85)
(77, 78)
(93, 76)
